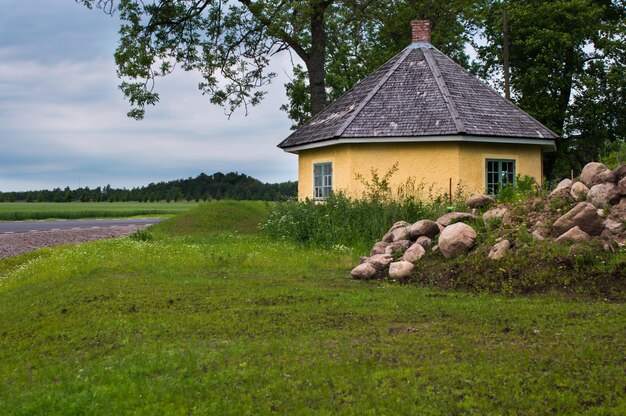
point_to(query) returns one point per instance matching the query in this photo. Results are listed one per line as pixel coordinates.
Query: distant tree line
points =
(204, 187)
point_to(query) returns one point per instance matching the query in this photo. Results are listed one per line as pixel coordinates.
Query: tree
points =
(565, 68)
(231, 42)
(360, 41)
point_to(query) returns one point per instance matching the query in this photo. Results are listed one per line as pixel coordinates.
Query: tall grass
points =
(343, 221)
(359, 222)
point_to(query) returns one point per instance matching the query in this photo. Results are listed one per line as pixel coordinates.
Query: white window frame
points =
(322, 180)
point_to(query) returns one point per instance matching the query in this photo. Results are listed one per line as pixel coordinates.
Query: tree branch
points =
(276, 31)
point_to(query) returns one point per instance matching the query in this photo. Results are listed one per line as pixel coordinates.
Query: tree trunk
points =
(316, 62)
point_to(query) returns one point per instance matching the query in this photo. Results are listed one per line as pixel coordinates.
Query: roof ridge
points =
(495, 93)
(372, 93)
(445, 92)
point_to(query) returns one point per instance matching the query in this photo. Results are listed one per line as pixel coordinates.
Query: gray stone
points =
(451, 217)
(575, 234)
(398, 247)
(618, 212)
(380, 261)
(584, 216)
(499, 250)
(388, 238)
(480, 201)
(561, 193)
(620, 173)
(614, 227)
(456, 239)
(594, 173)
(579, 191)
(424, 242)
(364, 271)
(400, 269)
(621, 186)
(496, 213)
(603, 194)
(538, 235)
(565, 183)
(563, 187)
(400, 233)
(414, 253)
(379, 248)
(424, 227)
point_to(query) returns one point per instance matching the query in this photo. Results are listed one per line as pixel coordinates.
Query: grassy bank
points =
(202, 315)
(20, 211)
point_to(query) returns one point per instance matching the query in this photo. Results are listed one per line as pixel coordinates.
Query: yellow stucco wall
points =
(430, 165)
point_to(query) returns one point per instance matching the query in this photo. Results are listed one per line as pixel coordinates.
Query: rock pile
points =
(595, 209)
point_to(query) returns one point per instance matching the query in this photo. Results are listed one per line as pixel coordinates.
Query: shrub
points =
(524, 188)
(343, 221)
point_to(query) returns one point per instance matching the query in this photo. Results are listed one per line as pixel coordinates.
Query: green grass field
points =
(202, 315)
(19, 211)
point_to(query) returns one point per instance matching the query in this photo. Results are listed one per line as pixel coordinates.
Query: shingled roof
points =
(420, 95)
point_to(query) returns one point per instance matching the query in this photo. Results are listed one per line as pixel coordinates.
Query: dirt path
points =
(15, 244)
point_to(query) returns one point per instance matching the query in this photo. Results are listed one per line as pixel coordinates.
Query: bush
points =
(524, 188)
(343, 221)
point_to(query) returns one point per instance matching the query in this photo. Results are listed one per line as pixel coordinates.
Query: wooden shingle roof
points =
(419, 94)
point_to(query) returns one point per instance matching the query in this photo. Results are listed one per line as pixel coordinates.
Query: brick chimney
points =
(421, 30)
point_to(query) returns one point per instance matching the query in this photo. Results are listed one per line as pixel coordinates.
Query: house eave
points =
(547, 145)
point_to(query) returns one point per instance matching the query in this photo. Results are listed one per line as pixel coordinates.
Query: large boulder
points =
(400, 233)
(613, 227)
(620, 173)
(452, 217)
(379, 248)
(575, 234)
(621, 186)
(603, 194)
(501, 213)
(424, 227)
(594, 173)
(398, 247)
(583, 215)
(400, 269)
(379, 261)
(456, 239)
(563, 187)
(388, 238)
(424, 242)
(414, 253)
(579, 191)
(364, 271)
(499, 250)
(618, 212)
(480, 201)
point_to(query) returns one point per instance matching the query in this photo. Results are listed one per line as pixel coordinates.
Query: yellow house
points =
(429, 117)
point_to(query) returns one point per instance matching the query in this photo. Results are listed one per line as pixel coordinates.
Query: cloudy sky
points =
(63, 120)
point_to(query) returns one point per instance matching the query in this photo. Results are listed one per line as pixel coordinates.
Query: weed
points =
(141, 235)
(523, 188)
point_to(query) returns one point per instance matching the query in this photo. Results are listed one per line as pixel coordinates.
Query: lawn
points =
(18, 211)
(203, 315)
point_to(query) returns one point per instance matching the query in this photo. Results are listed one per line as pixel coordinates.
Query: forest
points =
(233, 185)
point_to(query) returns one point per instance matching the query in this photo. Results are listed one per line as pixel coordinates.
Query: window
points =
(322, 180)
(500, 172)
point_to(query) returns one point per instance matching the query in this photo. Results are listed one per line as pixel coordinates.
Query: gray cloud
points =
(63, 122)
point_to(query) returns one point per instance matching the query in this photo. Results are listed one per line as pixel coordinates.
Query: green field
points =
(202, 315)
(19, 211)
